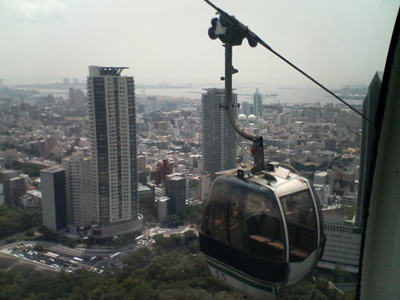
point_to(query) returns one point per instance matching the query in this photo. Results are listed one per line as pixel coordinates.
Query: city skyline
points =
(338, 42)
(320, 137)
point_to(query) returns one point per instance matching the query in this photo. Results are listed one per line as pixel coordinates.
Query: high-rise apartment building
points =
(219, 142)
(78, 191)
(163, 169)
(141, 169)
(246, 108)
(17, 188)
(323, 177)
(257, 104)
(204, 186)
(111, 103)
(54, 204)
(13, 186)
(76, 98)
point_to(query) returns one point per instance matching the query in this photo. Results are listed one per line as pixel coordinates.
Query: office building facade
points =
(141, 167)
(219, 141)
(54, 202)
(147, 201)
(342, 249)
(175, 190)
(112, 115)
(370, 110)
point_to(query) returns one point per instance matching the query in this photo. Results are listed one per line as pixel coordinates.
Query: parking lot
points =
(50, 260)
(57, 257)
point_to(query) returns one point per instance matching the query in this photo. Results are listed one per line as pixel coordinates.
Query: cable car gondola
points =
(262, 229)
(262, 233)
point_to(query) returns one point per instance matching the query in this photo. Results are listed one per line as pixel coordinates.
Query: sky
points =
(338, 42)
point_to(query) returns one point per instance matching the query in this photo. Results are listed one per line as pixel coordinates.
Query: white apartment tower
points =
(257, 104)
(112, 114)
(78, 182)
(324, 178)
(219, 142)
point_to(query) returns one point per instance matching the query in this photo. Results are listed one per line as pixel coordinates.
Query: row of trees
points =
(190, 214)
(170, 271)
(31, 170)
(145, 275)
(15, 220)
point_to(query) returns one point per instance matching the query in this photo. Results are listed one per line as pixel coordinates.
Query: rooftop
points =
(52, 170)
(106, 71)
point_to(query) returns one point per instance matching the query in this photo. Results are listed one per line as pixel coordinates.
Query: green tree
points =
(139, 258)
(193, 248)
(15, 219)
(177, 239)
(339, 275)
(143, 291)
(191, 214)
(190, 235)
(30, 233)
(174, 220)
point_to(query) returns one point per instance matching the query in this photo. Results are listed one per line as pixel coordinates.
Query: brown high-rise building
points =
(13, 186)
(163, 169)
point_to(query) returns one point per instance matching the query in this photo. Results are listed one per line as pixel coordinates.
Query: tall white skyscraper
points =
(111, 102)
(219, 142)
(257, 104)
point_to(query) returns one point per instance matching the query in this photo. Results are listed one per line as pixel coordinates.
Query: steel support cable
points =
(310, 78)
(252, 36)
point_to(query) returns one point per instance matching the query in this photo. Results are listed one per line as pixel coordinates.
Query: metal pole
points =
(258, 145)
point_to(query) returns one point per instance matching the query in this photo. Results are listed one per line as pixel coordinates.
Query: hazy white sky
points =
(336, 41)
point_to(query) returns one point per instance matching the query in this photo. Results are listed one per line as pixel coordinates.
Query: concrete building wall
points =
(54, 204)
(17, 189)
(342, 247)
(175, 190)
(147, 198)
(79, 190)
(162, 209)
